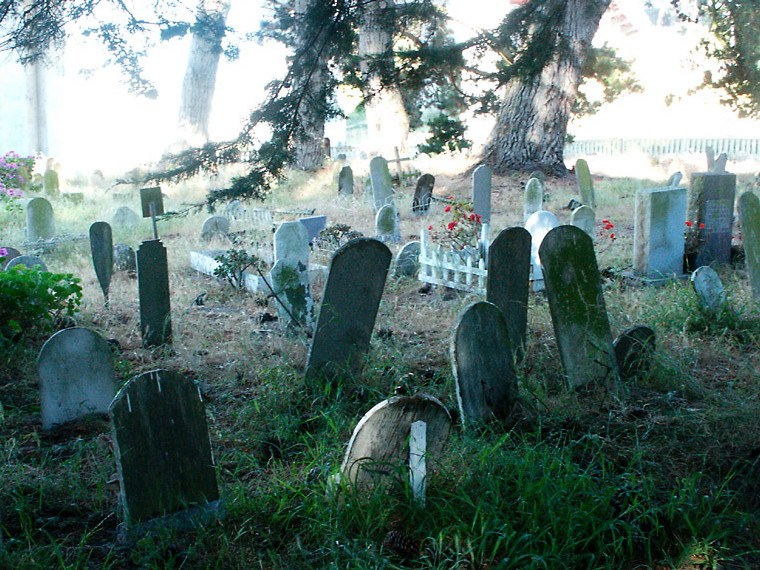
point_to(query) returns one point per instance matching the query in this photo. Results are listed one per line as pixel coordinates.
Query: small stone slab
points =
(215, 226)
(314, 225)
(585, 183)
(481, 358)
(382, 182)
(709, 288)
(291, 243)
(101, 247)
(28, 261)
(481, 192)
(153, 291)
(124, 258)
(576, 304)
(634, 351)
(658, 242)
(76, 376)
(387, 224)
(508, 282)
(534, 198)
(408, 260)
(346, 181)
(378, 451)
(40, 223)
(749, 214)
(674, 180)
(423, 192)
(355, 283)
(125, 217)
(162, 448)
(10, 253)
(584, 218)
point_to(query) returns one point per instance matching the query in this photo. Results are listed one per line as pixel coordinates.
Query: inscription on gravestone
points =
(711, 202)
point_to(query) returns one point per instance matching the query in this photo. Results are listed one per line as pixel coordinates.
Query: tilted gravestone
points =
(125, 217)
(508, 282)
(585, 183)
(382, 183)
(153, 291)
(379, 449)
(10, 253)
(313, 225)
(534, 198)
(387, 224)
(163, 453)
(407, 262)
(711, 202)
(76, 376)
(101, 247)
(346, 181)
(483, 365)
(291, 243)
(349, 308)
(124, 258)
(215, 227)
(749, 215)
(28, 261)
(538, 225)
(658, 242)
(720, 163)
(709, 288)
(290, 277)
(40, 223)
(634, 350)
(584, 218)
(423, 192)
(576, 304)
(481, 192)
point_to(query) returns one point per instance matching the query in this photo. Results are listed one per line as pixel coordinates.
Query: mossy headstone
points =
(534, 198)
(407, 262)
(387, 224)
(101, 247)
(124, 258)
(423, 192)
(749, 214)
(40, 223)
(585, 183)
(215, 227)
(381, 181)
(346, 181)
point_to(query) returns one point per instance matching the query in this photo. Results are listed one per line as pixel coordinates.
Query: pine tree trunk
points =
(36, 104)
(532, 124)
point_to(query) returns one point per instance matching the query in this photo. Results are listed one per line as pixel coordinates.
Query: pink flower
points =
(3, 252)
(430, 227)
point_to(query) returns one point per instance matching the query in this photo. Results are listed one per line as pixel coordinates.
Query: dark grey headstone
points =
(153, 290)
(481, 357)
(101, 246)
(634, 351)
(711, 202)
(749, 214)
(314, 225)
(124, 258)
(508, 282)
(10, 253)
(349, 308)
(576, 303)
(28, 261)
(481, 192)
(408, 260)
(150, 196)
(163, 452)
(215, 227)
(422, 193)
(346, 181)
(76, 376)
(39, 220)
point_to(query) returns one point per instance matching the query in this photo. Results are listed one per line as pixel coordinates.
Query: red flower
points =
(478, 218)
(451, 226)
(447, 209)
(701, 226)
(472, 217)
(430, 227)
(612, 237)
(689, 223)
(605, 221)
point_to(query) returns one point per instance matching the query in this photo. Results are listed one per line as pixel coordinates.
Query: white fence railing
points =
(734, 147)
(456, 270)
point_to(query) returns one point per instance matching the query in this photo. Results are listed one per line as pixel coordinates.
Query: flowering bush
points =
(692, 237)
(462, 230)
(15, 175)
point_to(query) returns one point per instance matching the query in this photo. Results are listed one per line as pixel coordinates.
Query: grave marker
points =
(534, 198)
(76, 376)
(658, 242)
(215, 226)
(101, 247)
(538, 225)
(576, 304)
(585, 183)
(408, 260)
(423, 192)
(381, 182)
(634, 351)
(152, 201)
(291, 243)
(481, 192)
(124, 258)
(711, 202)
(709, 288)
(153, 291)
(125, 217)
(40, 223)
(10, 253)
(290, 282)
(387, 224)
(314, 225)
(674, 180)
(584, 218)
(346, 181)
(28, 261)
(749, 214)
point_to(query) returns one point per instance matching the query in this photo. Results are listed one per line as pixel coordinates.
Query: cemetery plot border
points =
(439, 267)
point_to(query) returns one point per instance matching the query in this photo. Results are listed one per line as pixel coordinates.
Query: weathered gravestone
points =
(382, 447)
(711, 202)
(709, 288)
(313, 225)
(576, 304)
(10, 253)
(101, 247)
(749, 214)
(508, 282)
(291, 243)
(39, 220)
(234, 209)
(76, 376)
(407, 262)
(482, 361)
(124, 258)
(481, 192)
(349, 308)
(50, 179)
(634, 350)
(423, 192)
(382, 183)
(125, 217)
(538, 175)
(387, 224)
(658, 243)
(153, 291)
(346, 181)
(163, 454)
(674, 180)
(28, 261)
(534, 198)
(585, 183)
(720, 163)
(584, 218)
(215, 227)
(538, 225)
(290, 276)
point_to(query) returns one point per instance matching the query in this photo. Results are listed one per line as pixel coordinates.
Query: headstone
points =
(658, 243)
(720, 163)
(163, 453)
(101, 247)
(634, 351)
(125, 217)
(314, 225)
(379, 451)
(50, 182)
(709, 288)
(382, 183)
(408, 260)
(585, 183)
(349, 308)
(234, 209)
(153, 291)
(538, 225)
(76, 376)
(534, 198)
(124, 258)
(290, 282)
(508, 282)
(711, 202)
(39, 220)
(538, 175)
(291, 244)
(710, 156)
(346, 181)
(28, 261)
(674, 180)
(423, 192)
(215, 227)
(387, 224)
(482, 361)
(576, 304)
(749, 214)
(152, 196)
(10, 253)
(481, 192)
(584, 218)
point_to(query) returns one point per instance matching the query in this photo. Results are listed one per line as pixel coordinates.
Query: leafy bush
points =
(233, 264)
(445, 134)
(15, 176)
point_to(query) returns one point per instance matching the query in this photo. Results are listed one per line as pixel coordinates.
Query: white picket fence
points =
(440, 266)
(734, 147)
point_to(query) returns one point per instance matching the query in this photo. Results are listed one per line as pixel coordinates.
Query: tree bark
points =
(532, 124)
